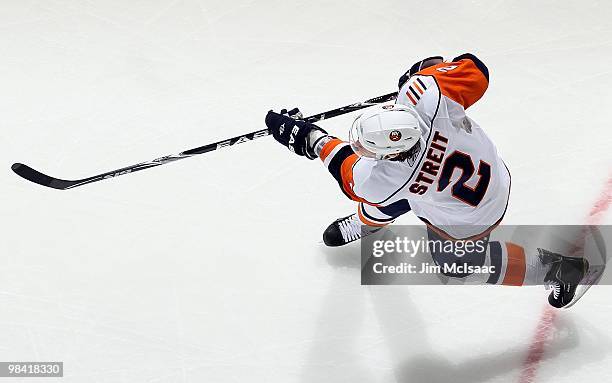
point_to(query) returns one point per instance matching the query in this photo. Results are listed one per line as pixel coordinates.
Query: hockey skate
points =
(563, 278)
(346, 230)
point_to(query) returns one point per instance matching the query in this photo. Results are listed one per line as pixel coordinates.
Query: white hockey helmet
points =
(385, 130)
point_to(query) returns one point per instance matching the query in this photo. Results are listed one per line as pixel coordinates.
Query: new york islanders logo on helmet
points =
(395, 135)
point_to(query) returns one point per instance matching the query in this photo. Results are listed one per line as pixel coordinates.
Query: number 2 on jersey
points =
(446, 68)
(462, 161)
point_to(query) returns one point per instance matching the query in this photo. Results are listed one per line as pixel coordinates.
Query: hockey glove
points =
(290, 131)
(425, 63)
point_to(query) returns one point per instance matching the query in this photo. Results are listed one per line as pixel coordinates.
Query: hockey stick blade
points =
(39, 178)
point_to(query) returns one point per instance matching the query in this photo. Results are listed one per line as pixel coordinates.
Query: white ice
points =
(210, 269)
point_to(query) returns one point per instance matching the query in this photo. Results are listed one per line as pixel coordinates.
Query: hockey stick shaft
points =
(42, 179)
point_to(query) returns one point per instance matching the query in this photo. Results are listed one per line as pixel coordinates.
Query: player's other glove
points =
(297, 135)
(417, 66)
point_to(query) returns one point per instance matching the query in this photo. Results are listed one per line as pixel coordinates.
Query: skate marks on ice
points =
(565, 335)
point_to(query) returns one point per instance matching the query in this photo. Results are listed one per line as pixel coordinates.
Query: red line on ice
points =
(547, 319)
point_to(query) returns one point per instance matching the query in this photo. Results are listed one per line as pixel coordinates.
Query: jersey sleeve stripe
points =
(412, 100)
(336, 160)
(328, 148)
(346, 175)
(332, 154)
(339, 163)
(339, 159)
(418, 88)
(414, 92)
(422, 83)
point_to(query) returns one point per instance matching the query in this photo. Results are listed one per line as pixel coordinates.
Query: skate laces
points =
(556, 288)
(350, 228)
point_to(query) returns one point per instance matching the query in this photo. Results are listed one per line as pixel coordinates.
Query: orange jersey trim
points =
(411, 98)
(328, 148)
(346, 173)
(418, 88)
(461, 81)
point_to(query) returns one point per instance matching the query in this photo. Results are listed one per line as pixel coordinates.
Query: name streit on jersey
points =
(431, 166)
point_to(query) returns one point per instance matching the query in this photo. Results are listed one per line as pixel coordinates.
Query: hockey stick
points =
(56, 183)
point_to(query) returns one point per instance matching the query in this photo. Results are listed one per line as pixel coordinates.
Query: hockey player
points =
(424, 154)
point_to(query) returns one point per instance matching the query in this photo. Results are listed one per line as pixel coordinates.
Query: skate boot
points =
(563, 277)
(346, 230)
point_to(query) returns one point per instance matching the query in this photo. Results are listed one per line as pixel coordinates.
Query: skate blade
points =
(591, 278)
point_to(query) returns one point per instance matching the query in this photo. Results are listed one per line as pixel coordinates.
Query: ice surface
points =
(210, 270)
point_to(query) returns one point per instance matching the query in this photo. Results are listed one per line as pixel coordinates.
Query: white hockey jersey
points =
(455, 180)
